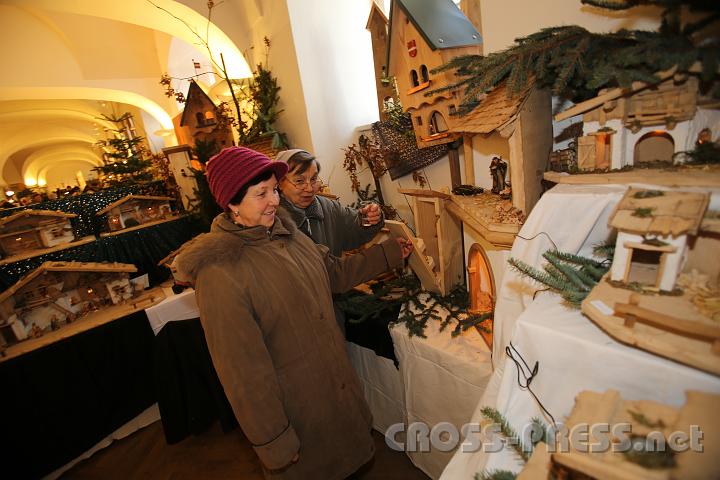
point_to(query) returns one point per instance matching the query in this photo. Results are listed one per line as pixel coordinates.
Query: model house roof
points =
(643, 211)
(96, 267)
(193, 91)
(375, 12)
(132, 197)
(440, 22)
(495, 111)
(34, 213)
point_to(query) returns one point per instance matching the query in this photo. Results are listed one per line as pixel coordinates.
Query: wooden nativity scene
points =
(58, 293)
(661, 293)
(30, 230)
(136, 211)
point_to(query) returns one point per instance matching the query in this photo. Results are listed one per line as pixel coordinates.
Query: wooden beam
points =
(416, 192)
(687, 328)
(454, 160)
(469, 163)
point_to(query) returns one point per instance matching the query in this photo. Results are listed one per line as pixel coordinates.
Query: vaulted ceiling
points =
(66, 64)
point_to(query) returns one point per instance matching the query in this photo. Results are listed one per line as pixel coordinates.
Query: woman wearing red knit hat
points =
(264, 292)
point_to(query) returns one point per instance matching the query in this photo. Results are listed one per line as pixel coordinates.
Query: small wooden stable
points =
(662, 292)
(136, 211)
(30, 230)
(651, 425)
(425, 34)
(57, 293)
(200, 120)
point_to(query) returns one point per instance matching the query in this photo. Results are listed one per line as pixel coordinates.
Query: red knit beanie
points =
(233, 167)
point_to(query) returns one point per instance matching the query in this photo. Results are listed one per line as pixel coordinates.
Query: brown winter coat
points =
(266, 308)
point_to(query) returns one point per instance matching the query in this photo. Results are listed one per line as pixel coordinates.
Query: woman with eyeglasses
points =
(324, 220)
(264, 292)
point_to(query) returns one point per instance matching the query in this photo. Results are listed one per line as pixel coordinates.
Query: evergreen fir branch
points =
(570, 273)
(576, 259)
(537, 275)
(508, 432)
(595, 272)
(495, 475)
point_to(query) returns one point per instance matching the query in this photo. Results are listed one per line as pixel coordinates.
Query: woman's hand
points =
(406, 246)
(372, 213)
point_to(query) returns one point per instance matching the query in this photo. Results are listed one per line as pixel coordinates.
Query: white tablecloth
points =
(443, 380)
(574, 354)
(176, 307)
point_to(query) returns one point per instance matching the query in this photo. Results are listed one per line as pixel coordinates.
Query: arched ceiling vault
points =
(66, 57)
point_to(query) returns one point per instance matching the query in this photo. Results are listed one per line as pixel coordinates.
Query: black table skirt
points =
(60, 400)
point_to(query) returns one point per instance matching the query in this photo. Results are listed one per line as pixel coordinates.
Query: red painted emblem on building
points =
(412, 48)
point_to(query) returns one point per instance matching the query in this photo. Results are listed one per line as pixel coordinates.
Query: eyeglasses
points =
(301, 182)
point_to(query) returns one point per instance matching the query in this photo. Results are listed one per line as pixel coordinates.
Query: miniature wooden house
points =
(377, 25)
(661, 292)
(57, 293)
(516, 128)
(425, 34)
(646, 124)
(461, 239)
(34, 229)
(654, 229)
(647, 448)
(199, 120)
(134, 211)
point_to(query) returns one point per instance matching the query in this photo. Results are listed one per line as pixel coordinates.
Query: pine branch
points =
(508, 432)
(495, 475)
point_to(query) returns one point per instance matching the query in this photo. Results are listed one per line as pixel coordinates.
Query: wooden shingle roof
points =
(98, 267)
(495, 111)
(669, 213)
(131, 197)
(29, 213)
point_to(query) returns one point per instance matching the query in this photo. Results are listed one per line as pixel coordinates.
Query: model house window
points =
(210, 118)
(424, 74)
(437, 123)
(200, 118)
(452, 110)
(418, 120)
(414, 78)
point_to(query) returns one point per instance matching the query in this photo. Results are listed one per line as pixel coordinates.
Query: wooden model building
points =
(199, 120)
(661, 293)
(136, 211)
(646, 124)
(34, 229)
(485, 224)
(57, 293)
(646, 452)
(517, 128)
(377, 25)
(425, 34)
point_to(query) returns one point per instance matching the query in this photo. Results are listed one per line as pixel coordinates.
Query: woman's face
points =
(259, 205)
(300, 188)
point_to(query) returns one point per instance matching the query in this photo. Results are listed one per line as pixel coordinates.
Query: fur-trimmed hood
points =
(225, 243)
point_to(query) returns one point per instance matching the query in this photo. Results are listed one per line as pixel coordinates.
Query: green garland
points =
(576, 63)
(418, 307)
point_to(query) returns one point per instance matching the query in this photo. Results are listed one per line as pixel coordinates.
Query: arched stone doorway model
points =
(657, 146)
(481, 288)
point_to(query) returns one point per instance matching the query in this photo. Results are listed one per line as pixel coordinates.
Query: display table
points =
(60, 400)
(573, 353)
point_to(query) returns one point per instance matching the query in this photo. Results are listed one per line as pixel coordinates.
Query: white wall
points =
(504, 21)
(334, 55)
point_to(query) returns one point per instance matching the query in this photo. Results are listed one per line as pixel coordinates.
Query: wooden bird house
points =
(30, 230)
(425, 34)
(662, 289)
(57, 293)
(200, 120)
(136, 211)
